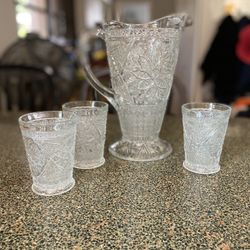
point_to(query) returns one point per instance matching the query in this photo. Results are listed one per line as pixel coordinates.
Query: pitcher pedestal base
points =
(141, 150)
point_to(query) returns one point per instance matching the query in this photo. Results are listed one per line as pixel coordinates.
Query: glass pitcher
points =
(142, 60)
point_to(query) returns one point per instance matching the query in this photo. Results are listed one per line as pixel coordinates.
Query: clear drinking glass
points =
(49, 140)
(205, 126)
(91, 119)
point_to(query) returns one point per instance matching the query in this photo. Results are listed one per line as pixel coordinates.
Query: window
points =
(40, 16)
(93, 13)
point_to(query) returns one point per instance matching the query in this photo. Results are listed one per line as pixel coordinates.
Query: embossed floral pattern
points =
(50, 159)
(142, 65)
(204, 132)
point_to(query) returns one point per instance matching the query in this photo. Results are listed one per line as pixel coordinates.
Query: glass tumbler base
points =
(141, 150)
(82, 165)
(50, 192)
(198, 169)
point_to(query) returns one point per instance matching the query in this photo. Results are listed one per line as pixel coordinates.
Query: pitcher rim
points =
(184, 21)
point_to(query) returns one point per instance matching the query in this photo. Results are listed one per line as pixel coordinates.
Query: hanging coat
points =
(221, 64)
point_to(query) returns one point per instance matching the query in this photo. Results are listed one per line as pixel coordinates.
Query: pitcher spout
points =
(177, 21)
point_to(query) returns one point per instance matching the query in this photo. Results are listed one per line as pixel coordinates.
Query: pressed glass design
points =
(142, 60)
(91, 118)
(49, 140)
(205, 126)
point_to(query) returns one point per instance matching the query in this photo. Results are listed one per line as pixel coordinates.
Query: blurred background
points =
(43, 42)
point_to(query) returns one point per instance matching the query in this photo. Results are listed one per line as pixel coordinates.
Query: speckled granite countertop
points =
(129, 205)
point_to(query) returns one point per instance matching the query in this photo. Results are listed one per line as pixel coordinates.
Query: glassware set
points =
(142, 60)
(57, 141)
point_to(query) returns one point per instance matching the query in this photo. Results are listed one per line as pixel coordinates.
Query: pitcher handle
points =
(108, 93)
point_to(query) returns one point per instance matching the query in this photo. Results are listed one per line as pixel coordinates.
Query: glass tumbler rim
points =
(69, 106)
(209, 105)
(29, 120)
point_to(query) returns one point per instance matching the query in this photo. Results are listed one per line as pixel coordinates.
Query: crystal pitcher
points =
(142, 60)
